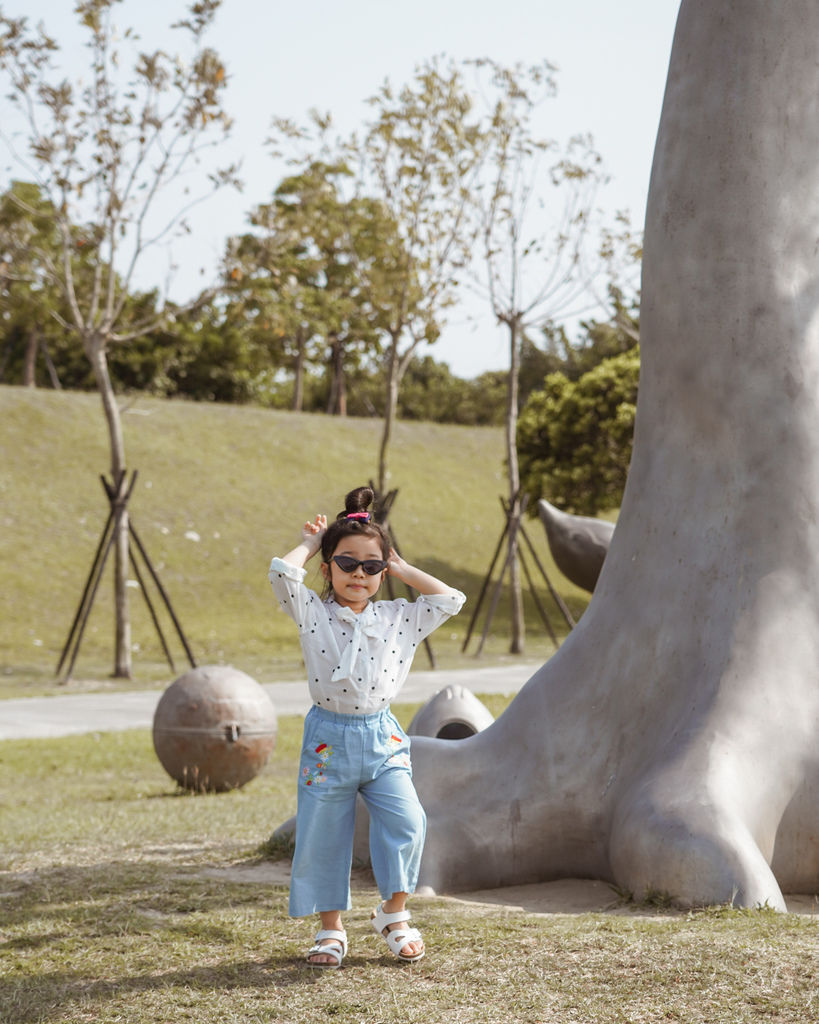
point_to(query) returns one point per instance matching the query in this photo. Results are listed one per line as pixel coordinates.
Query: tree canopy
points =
(575, 437)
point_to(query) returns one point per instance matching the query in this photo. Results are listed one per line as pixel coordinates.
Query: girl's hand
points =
(414, 577)
(396, 566)
(311, 533)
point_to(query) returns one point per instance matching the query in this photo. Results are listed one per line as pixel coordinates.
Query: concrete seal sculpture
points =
(579, 544)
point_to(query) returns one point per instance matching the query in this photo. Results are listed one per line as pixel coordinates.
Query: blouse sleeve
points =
(429, 611)
(288, 586)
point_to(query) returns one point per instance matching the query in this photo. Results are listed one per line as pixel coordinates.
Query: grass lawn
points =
(119, 901)
(220, 489)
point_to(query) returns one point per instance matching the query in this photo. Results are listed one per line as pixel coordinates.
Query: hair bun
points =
(358, 500)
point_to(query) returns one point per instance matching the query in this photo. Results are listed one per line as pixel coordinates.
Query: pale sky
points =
(284, 58)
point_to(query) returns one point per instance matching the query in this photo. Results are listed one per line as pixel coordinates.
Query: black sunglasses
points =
(349, 564)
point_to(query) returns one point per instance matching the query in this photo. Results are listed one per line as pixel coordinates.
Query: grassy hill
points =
(220, 489)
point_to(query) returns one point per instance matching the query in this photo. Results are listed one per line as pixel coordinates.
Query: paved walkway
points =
(38, 717)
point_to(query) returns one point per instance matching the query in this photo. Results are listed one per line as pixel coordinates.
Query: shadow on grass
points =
(50, 996)
(70, 937)
(84, 942)
(47, 996)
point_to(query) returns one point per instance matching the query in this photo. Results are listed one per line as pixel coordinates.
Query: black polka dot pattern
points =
(386, 638)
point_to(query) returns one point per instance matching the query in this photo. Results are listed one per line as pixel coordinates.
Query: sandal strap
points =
(381, 919)
(396, 938)
(399, 937)
(336, 947)
(331, 933)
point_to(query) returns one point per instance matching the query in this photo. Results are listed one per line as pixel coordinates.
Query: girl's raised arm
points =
(311, 535)
(416, 578)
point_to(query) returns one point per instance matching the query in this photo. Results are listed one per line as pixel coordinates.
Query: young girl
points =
(357, 655)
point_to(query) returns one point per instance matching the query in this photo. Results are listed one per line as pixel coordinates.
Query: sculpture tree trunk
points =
(672, 743)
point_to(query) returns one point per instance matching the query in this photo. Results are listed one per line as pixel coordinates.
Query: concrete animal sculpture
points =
(579, 544)
(672, 743)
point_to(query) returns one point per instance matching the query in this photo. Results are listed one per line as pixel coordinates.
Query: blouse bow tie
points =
(363, 623)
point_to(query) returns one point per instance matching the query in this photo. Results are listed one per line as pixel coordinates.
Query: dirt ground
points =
(564, 896)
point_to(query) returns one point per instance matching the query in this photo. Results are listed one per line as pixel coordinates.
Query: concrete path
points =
(65, 714)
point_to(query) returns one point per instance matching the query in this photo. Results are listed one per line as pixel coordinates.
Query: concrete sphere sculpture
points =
(672, 742)
(214, 729)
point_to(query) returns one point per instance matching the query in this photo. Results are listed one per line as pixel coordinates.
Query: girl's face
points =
(354, 589)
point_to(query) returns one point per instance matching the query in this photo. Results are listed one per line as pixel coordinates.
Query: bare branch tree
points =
(103, 154)
(545, 249)
(419, 157)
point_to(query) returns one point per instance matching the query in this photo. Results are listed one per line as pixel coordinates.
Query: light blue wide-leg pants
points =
(343, 755)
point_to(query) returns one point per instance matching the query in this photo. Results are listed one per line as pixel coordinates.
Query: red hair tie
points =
(358, 515)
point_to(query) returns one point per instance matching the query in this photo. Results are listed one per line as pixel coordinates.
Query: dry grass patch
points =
(151, 942)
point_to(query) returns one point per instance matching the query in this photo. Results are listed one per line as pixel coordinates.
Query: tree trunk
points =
(671, 743)
(95, 350)
(30, 358)
(298, 382)
(341, 377)
(337, 401)
(517, 639)
(390, 410)
(52, 369)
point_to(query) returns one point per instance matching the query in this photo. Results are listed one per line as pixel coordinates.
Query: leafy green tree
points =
(486, 401)
(34, 311)
(432, 393)
(574, 438)
(305, 275)
(102, 153)
(417, 159)
(536, 361)
(204, 354)
(27, 292)
(599, 339)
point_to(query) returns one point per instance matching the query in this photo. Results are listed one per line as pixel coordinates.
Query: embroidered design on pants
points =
(316, 773)
(398, 760)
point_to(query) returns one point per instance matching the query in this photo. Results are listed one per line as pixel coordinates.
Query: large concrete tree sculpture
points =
(672, 743)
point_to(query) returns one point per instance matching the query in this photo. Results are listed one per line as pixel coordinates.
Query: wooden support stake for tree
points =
(161, 589)
(485, 586)
(151, 609)
(89, 591)
(381, 512)
(561, 604)
(97, 568)
(518, 527)
(536, 599)
(118, 495)
(493, 607)
(513, 524)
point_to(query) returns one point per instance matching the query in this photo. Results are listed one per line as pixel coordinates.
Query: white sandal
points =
(396, 938)
(337, 948)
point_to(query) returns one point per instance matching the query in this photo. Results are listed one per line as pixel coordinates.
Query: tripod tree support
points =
(382, 506)
(118, 495)
(514, 525)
